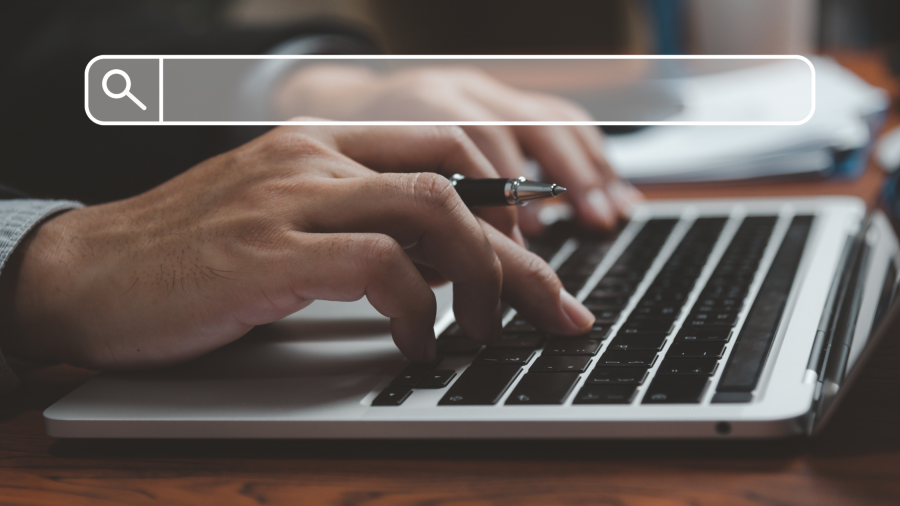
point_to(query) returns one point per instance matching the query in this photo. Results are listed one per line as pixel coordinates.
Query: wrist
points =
(34, 269)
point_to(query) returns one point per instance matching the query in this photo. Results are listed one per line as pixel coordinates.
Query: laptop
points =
(715, 319)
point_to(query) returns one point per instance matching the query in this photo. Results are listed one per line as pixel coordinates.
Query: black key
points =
(694, 335)
(409, 379)
(613, 290)
(573, 286)
(535, 388)
(617, 376)
(675, 390)
(519, 340)
(605, 303)
(723, 303)
(695, 350)
(457, 346)
(605, 394)
(606, 317)
(638, 342)
(629, 358)
(572, 347)
(639, 327)
(702, 366)
(436, 379)
(518, 325)
(720, 319)
(598, 332)
(751, 347)
(661, 320)
(670, 311)
(427, 366)
(393, 395)
(504, 356)
(480, 385)
(560, 363)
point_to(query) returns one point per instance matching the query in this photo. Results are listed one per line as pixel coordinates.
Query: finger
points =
(446, 150)
(564, 160)
(500, 146)
(346, 267)
(431, 276)
(420, 210)
(531, 286)
(556, 148)
(623, 195)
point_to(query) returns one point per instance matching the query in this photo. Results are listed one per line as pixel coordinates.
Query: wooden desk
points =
(856, 462)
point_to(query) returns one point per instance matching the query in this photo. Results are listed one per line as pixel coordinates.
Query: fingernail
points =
(580, 316)
(599, 202)
(517, 236)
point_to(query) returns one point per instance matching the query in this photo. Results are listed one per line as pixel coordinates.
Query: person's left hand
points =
(570, 155)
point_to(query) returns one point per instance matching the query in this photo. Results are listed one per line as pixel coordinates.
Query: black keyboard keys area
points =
(571, 347)
(605, 394)
(676, 390)
(693, 357)
(700, 366)
(480, 385)
(560, 363)
(393, 395)
(436, 379)
(612, 292)
(647, 342)
(504, 356)
(751, 347)
(695, 350)
(627, 358)
(539, 388)
(617, 376)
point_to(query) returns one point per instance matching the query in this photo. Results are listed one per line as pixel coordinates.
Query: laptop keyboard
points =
(615, 366)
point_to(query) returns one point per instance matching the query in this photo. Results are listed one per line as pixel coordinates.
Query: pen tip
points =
(557, 190)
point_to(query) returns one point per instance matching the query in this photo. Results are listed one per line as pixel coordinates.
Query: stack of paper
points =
(848, 114)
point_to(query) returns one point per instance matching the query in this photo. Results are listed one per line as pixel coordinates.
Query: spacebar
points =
(480, 385)
(752, 345)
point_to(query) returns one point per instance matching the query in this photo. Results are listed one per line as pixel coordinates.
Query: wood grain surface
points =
(855, 462)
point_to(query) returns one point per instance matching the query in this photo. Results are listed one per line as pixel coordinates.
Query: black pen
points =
(502, 192)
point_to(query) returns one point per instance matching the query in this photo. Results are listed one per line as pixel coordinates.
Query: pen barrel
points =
(482, 192)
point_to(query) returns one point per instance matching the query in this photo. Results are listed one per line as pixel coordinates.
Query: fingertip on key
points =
(600, 206)
(580, 317)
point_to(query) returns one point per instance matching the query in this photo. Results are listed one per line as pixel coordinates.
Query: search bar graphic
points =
(632, 90)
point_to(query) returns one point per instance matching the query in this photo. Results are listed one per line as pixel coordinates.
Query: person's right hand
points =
(258, 233)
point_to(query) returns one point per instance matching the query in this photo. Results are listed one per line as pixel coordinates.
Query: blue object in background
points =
(666, 17)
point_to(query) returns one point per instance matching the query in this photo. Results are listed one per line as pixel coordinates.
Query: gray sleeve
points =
(17, 218)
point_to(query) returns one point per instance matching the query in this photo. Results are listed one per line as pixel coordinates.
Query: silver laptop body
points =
(318, 373)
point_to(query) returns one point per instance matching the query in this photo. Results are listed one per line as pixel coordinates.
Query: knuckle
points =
(378, 251)
(454, 135)
(434, 191)
(293, 144)
(539, 273)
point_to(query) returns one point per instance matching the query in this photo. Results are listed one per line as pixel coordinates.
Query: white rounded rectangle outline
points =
(161, 121)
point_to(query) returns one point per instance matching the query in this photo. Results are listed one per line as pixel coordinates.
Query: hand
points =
(258, 233)
(571, 156)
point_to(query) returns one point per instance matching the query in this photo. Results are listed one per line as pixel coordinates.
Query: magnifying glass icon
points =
(124, 93)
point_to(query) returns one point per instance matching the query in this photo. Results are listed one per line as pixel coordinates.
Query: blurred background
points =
(52, 149)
